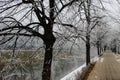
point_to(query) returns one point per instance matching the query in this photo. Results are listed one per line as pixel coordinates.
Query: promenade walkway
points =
(106, 68)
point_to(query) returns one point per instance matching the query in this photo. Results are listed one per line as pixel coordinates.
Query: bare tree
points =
(90, 20)
(99, 35)
(32, 18)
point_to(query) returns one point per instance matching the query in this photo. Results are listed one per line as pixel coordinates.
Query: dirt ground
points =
(106, 68)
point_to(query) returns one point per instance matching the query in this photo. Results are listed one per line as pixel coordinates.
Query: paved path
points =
(106, 68)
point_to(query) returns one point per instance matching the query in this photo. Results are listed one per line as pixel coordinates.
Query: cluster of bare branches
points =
(53, 23)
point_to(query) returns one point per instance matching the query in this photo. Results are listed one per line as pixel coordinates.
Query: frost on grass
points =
(18, 68)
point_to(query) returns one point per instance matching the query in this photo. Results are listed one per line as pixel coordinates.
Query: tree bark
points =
(98, 48)
(46, 74)
(87, 50)
(47, 63)
(49, 40)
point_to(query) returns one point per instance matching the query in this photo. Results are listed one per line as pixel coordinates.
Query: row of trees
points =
(52, 21)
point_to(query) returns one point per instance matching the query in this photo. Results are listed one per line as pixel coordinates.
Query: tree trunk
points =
(105, 48)
(118, 49)
(46, 74)
(47, 64)
(87, 50)
(101, 48)
(98, 48)
(49, 40)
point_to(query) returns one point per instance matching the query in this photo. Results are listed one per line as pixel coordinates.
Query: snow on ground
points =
(96, 76)
(117, 56)
(101, 60)
(73, 74)
(76, 73)
(118, 60)
(96, 58)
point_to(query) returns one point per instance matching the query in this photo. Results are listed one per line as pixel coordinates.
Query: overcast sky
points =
(113, 12)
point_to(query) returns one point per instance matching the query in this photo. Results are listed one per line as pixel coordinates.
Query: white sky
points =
(113, 12)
